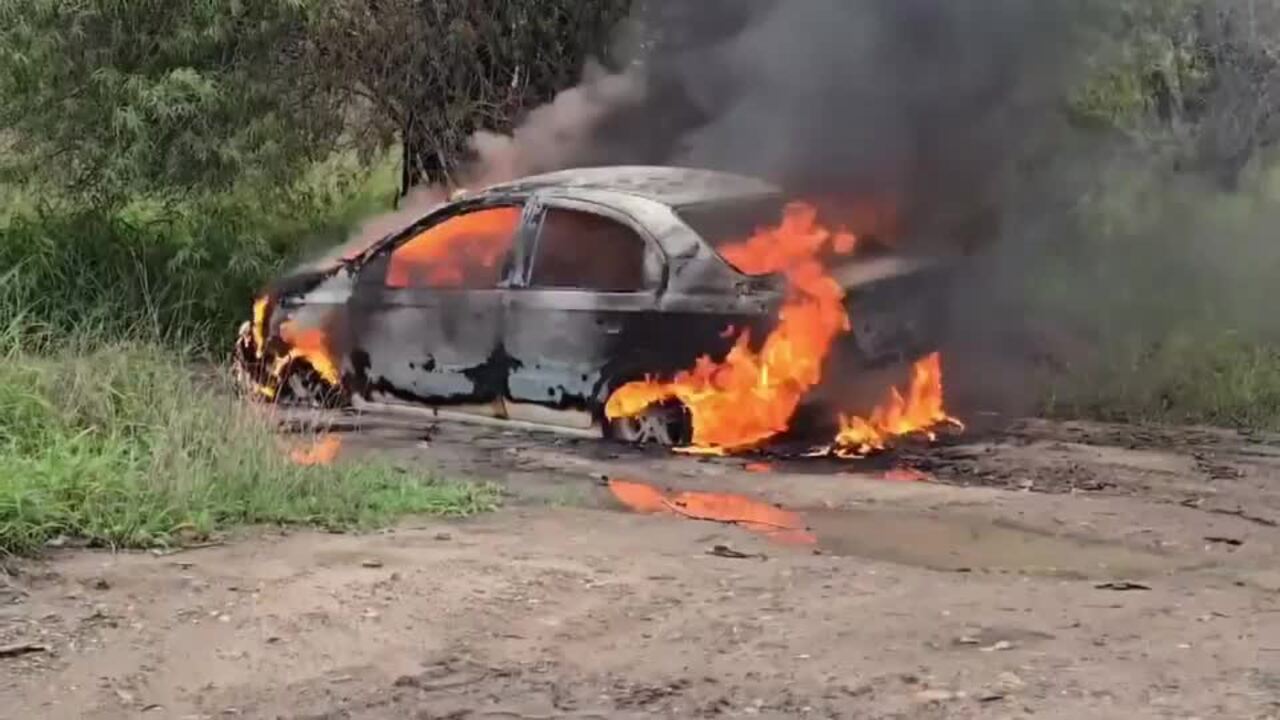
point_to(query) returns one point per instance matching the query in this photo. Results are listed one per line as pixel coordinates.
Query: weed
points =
(122, 446)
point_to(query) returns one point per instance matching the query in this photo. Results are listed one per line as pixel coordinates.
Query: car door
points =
(589, 286)
(427, 313)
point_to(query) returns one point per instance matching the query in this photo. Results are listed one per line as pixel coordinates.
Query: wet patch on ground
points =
(965, 543)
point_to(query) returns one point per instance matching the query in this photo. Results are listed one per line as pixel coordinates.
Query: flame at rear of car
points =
(752, 396)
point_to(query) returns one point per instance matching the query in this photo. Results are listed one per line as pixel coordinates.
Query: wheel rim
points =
(655, 426)
(302, 390)
(306, 387)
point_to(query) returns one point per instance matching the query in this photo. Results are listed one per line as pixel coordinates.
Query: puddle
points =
(940, 541)
(760, 517)
(943, 541)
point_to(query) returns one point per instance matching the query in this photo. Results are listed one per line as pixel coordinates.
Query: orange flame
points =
(775, 522)
(264, 373)
(310, 344)
(453, 252)
(919, 412)
(322, 452)
(259, 325)
(751, 396)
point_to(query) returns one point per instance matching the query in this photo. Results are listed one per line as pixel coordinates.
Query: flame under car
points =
(532, 302)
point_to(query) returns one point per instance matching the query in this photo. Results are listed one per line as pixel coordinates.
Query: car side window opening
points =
(467, 251)
(586, 251)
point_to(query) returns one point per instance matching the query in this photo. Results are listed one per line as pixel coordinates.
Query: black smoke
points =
(930, 106)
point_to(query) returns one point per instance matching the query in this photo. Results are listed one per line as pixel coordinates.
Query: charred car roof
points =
(673, 186)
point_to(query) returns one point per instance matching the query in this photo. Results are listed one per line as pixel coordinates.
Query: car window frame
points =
(372, 268)
(535, 211)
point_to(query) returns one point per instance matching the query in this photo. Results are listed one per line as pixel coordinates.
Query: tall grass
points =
(1204, 377)
(1170, 287)
(106, 433)
(182, 270)
(121, 445)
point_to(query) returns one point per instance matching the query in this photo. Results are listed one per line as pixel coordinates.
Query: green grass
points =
(184, 270)
(1198, 378)
(122, 446)
(1168, 287)
(114, 440)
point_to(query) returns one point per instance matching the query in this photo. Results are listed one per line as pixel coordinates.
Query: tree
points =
(1240, 104)
(1201, 77)
(111, 97)
(430, 73)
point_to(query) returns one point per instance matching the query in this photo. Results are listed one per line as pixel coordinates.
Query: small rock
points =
(443, 536)
(371, 563)
(936, 695)
(1122, 586)
(987, 696)
(1009, 682)
(101, 584)
(998, 647)
(857, 690)
(224, 618)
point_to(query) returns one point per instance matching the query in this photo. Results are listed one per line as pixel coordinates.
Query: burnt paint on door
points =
(430, 342)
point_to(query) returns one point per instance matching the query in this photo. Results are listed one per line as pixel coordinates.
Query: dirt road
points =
(1047, 571)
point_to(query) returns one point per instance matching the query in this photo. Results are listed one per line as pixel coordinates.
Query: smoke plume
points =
(557, 135)
(926, 107)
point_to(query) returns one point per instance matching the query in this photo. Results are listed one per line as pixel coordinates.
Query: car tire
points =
(664, 425)
(302, 385)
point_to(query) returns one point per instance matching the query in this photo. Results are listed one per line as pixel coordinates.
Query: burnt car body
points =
(569, 285)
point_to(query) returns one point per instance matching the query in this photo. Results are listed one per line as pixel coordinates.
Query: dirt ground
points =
(1043, 570)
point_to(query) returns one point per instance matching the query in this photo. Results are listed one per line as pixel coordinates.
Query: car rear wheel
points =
(665, 425)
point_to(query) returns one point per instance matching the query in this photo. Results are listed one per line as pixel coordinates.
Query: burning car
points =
(649, 304)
